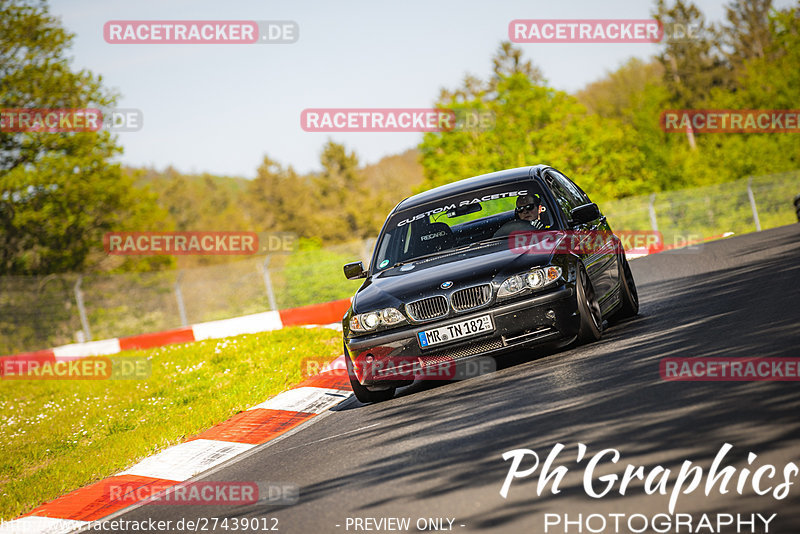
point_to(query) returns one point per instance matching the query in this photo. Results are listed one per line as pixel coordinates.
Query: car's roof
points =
(469, 184)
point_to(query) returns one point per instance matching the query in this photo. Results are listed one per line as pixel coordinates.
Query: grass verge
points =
(60, 435)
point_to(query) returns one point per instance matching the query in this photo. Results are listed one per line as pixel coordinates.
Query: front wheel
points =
(361, 392)
(591, 325)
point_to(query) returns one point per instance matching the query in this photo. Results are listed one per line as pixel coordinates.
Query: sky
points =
(220, 108)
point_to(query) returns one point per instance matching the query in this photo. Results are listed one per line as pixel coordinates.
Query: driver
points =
(527, 216)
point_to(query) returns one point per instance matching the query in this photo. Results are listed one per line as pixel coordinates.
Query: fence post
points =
(652, 209)
(273, 306)
(82, 309)
(753, 203)
(179, 298)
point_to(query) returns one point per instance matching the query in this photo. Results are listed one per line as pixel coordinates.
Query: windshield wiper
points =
(423, 257)
(488, 240)
(449, 250)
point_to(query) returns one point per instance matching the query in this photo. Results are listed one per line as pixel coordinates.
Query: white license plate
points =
(455, 331)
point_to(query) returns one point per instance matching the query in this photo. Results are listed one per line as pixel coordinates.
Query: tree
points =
(280, 200)
(694, 65)
(618, 94)
(348, 210)
(747, 34)
(343, 202)
(59, 192)
(392, 179)
(533, 124)
(769, 80)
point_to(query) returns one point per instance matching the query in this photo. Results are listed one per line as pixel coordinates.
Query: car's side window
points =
(574, 193)
(562, 197)
(383, 251)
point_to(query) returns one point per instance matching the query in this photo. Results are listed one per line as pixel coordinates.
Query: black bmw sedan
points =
(480, 267)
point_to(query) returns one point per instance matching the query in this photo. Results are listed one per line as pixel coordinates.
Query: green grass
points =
(57, 436)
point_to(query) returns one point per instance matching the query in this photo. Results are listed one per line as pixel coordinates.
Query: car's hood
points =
(416, 280)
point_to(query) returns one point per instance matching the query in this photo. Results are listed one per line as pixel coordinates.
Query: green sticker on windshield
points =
(384, 263)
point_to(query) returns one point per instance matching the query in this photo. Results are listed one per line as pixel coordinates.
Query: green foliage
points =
(768, 80)
(345, 206)
(692, 66)
(197, 202)
(312, 275)
(751, 62)
(280, 200)
(533, 124)
(341, 203)
(620, 92)
(59, 192)
(747, 33)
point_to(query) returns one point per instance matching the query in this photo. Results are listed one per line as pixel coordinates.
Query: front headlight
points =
(535, 279)
(511, 286)
(366, 322)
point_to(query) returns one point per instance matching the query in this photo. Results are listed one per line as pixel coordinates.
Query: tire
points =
(797, 202)
(591, 324)
(797, 207)
(361, 392)
(629, 295)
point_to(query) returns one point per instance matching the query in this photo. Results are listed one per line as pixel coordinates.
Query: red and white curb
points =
(179, 463)
(328, 315)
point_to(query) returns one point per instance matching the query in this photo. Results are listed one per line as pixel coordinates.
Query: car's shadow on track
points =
(512, 359)
(607, 395)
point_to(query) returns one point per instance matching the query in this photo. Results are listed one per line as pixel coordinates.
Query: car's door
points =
(601, 261)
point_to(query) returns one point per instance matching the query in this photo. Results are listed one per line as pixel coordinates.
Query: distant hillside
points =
(397, 174)
(211, 202)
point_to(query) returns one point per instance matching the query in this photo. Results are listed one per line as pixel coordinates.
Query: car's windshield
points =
(462, 221)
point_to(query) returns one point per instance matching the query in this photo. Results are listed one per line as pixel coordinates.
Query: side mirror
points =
(584, 214)
(354, 270)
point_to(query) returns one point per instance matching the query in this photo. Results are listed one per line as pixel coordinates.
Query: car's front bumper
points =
(396, 355)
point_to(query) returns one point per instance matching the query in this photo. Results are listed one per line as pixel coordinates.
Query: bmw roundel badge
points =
(446, 285)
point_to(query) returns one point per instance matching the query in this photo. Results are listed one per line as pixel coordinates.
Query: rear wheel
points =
(591, 325)
(361, 392)
(629, 295)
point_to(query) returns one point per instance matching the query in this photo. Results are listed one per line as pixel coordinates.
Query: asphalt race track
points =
(435, 450)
